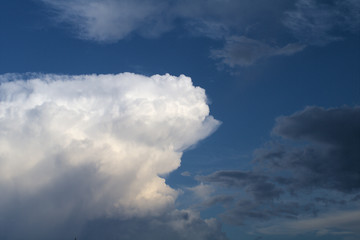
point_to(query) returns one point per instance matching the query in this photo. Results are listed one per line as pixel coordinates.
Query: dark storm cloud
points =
(330, 157)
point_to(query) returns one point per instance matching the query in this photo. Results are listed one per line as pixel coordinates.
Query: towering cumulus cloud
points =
(74, 149)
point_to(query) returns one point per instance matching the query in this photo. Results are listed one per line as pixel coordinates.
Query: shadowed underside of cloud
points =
(316, 170)
(80, 148)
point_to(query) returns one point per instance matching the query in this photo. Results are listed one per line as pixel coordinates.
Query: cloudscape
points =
(179, 119)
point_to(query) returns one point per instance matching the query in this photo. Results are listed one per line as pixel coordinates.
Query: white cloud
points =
(92, 146)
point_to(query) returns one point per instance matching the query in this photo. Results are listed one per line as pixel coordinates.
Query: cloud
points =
(233, 21)
(113, 20)
(247, 211)
(202, 191)
(309, 175)
(185, 174)
(243, 51)
(257, 185)
(250, 31)
(177, 225)
(330, 159)
(317, 22)
(336, 223)
(80, 148)
(225, 200)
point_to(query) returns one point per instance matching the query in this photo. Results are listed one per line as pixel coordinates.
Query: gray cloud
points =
(255, 184)
(177, 225)
(113, 20)
(246, 211)
(335, 223)
(225, 200)
(330, 160)
(310, 173)
(319, 22)
(243, 51)
(251, 30)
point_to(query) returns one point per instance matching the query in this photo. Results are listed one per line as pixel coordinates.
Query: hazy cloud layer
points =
(76, 148)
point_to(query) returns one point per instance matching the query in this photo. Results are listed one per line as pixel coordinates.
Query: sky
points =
(179, 119)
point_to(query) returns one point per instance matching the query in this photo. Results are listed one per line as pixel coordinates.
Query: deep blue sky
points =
(247, 96)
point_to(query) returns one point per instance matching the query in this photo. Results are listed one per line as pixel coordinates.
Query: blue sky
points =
(275, 158)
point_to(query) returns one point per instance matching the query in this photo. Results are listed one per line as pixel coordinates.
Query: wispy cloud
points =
(317, 22)
(243, 51)
(112, 20)
(250, 31)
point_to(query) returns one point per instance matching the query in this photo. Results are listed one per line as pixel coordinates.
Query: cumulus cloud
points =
(76, 148)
